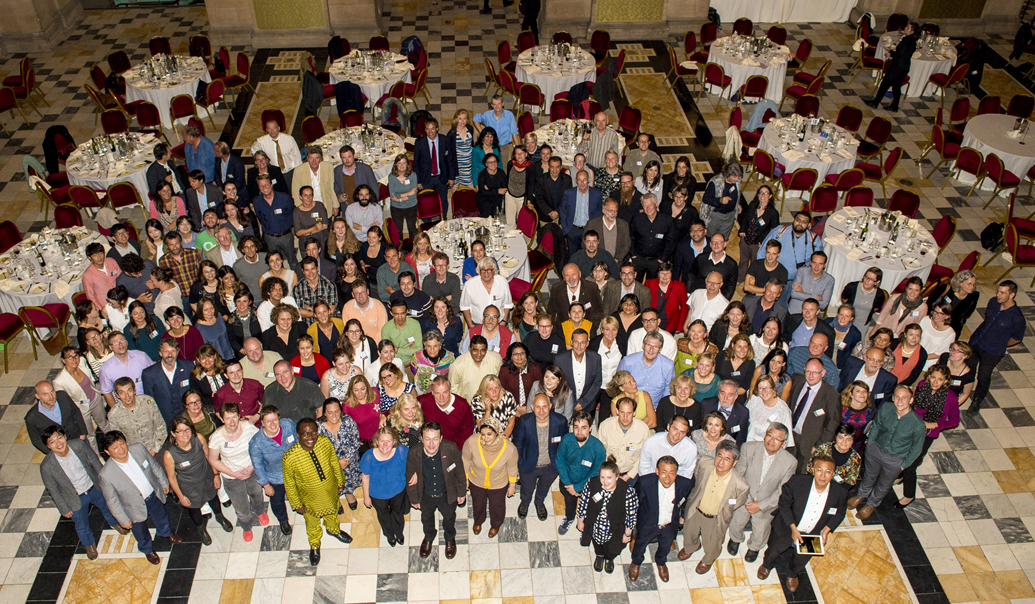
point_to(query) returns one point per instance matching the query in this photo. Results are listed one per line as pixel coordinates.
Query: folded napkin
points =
(504, 272)
(834, 240)
(514, 232)
(917, 54)
(61, 288)
(748, 61)
(7, 284)
(854, 254)
(689, 65)
(792, 155)
(19, 286)
(825, 157)
(837, 218)
(940, 57)
(851, 212)
(845, 153)
(409, 140)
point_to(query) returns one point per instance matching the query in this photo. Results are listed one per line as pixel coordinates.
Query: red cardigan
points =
(675, 305)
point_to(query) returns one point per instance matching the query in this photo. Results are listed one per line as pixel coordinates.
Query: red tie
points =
(434, 159)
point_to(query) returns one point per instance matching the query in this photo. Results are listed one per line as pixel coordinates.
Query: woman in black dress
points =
(191, 477)
(492, 186)
(961, 294)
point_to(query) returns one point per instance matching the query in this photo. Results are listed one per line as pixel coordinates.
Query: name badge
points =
(819, 413)
(841, 346)
(495, 349)
(587, 463)
(153, 334)
(639, 163)
(659, 236)
(957, 382)
(589, 305)
(185, 464)
(278, 211)
(915, 313)
(735, 429)
(838, 478)
(146, 464)
(406, 181)
(184, 383)
(735, 373)
(290, 439)
(270, 375)
(229, 445)
(410, 340)
(114, 273)
(688, 361)
(772, 418)
(832, 511)
(878, 395)
(608, 354)
(947, 300)
(631, 449)
(451, 467)
(296, 370)
(274, 181)
(555, 439)
(598, 497)
(315, 214)
(690, 422)
(761, 222)
(553, 349)
(731, 501)
(413, 313)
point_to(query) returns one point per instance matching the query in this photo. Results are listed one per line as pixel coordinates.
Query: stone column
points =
(37, 25)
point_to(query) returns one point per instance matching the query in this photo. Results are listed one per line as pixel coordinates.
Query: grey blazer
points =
(623, 243)
(766, 494)
(60, 487)
(122, 496)
(364, 176)
(612, 296)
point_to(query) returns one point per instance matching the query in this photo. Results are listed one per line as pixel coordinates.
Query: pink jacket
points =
(97, 283)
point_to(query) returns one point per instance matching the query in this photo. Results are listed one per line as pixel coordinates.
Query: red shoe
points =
(247, 536)
(264, 520)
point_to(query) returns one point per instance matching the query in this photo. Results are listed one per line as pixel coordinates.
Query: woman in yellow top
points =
(623, 385)
(576, 320)
(490, 462)
(325, 330)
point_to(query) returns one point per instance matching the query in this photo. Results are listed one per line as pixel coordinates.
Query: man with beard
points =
(578, 459)
(363, 214)
(626, 284)
(687, 250)
(798, 245)
(628, 198)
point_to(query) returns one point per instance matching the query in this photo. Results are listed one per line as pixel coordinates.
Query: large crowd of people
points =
(264, 352)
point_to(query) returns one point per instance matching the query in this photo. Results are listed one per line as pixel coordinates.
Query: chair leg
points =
(995, 193)
(977, 180)
(936, 166)
(1008, 271)
(995, 256)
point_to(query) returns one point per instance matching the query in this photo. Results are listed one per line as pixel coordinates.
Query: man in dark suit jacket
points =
(586, 398)
(898, 69)
(549, 189)
(735, 413)
(192, 197)
(536, 479)
(768, 305)
(229, 167)
(441, 178)
(569, 206)
(787, 527)
(814, 417)
(443, 496)
(168, 394)
(50, 401)
(163, 168)
(809, 314)
(649, 522)
(858, 369)
(561, 297)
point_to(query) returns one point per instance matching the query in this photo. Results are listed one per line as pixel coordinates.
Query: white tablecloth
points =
(551, 80)
(785, 11)
(553, 134)
(38, 289)
(512, 260)
(847, 263)
(988, 134)
(380, 163)
(161, 94)
(374, 87)
(771, 143)
(941, 60)
(134, 169)
(739, 70)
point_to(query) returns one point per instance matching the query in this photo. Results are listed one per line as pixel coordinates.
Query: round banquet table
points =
(82, 171)
(512, 259)
(840, 159)
(554, 135)
(373, 85)
(988, 134)
(140, 88)
(740, 69)
(551, 78)
(929, 62)
(847, 263)
(381, 163)
(30, 287)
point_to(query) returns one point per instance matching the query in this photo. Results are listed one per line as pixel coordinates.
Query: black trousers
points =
(571, 502)
(646, 266)
(779, 542)
(428, 507)
(984, 364)
(405, 214)
(496, 500)
(647, 534)
(603, 406)
(909, 474)
(537, 483)
(390, 513)
(531, 20)
(894, 82)
(198, 519)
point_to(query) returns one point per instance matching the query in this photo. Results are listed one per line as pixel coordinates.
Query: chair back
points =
(272, 114)
(755, 87)
(66, 216)
(970, 160)
(714, 74)
(1012, 241)
(994, 168)
(709, 32)
(97, 75)
(945, 230)
(528, 222)
(859, 197)
(200, 46)
(38, 317)
(10, 236)
(85, 197)
(736, 118)
(530, 94)
(630, 118)
(803, 53)
(392, 232)
(803, 179)
(600, 41)
(223, 54)
(508, 82)
(119, 62)
(850, 118)
(904, 201)
(892, 161)
(7, 100)
(491, 70)
(619, 63)
(990, 104)
(938, 140)
(148, 115)
(123, 195)
(743, 26)
(960, 111)
(825, 196)
(814, 86)
(807, 104)
(778, 34)
(958, 74)
(181, 106)
(114, 121)
(547, 243)
(689, 43)
(931, 28)
(465, 203)
(312, 129)
(878, 131)
(897, 21)
(159, 45)
(589, 108)
(560, 109)
(1021, 106)
(503, 53)
(429, 205)
(379, 43)
(763, 164)
(350, 118)
(851, 177)
(562, 37)
(970, 261)
(525, 40)
(214, 92)
(525, 123)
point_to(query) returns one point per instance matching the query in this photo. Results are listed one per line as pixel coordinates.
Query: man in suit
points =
(573, 288)
(316, 173)
(225, 253)
(229, 167)
(537, 471)
(311, 248)
(797, 329)
(168, 391)
(766, 466)
(434, 162)
(626, 284)
(899, 62)
(881, 382)
(349, 176)
(815, 411)
(612, 230)
(436, 486)
(582, 370)
(718, 492)
(661, 495)
(687, 250)
(760, 308)
(578, 206)
(808, 505)
(201, 196)
(726, 404)
(53, 409)
(134, 488)
(163, 168)
(818, 345)
(549, 190)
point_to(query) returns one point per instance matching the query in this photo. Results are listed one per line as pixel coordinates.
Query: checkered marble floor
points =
(967, 538)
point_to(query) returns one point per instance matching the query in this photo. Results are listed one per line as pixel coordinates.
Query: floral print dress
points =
(346, 444)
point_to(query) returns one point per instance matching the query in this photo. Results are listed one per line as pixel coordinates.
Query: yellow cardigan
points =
(312, 331)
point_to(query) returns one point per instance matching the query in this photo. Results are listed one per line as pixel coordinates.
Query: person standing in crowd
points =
(490, 482)
(869, 370)
(661, 494)
(191, 477)
(267, 449)
(939, 407)
(451, 412)
(137, 417)
(722, 197)
(466, 373)
(651, 370)
(1003, 326)
(607, 515)
(622, 436)
(536, 437)
(166, 382)
(847, 461)
(766, 466)
(436, 482)
(228, 454)
(718, 492)
(898, 63)
(384, 483)
(53, 408)
(312, 480)
(578, 459)
(671, 443)
(815, 410)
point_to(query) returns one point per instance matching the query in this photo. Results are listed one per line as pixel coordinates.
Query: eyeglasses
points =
(493, 317)
(182, 431)
(355, 331)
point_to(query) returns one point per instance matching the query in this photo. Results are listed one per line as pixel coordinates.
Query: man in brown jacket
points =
(718, 492)
(437, 482)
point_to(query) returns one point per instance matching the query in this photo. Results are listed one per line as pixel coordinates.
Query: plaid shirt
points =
(185, 268)
(307, 296)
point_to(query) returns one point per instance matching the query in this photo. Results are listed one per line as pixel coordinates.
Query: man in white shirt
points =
(364, 212)
(652, 323)
(490, 288)
(225, 253)
(282, 150)
(672, 442)
(319, 175)
(707, 304)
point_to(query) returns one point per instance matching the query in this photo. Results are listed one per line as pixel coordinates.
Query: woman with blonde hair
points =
(765, 407)
(681, 402)
(623, 385)
(737, 363)
(492, 400)
(420, 257)
(462, 134)
(407, 418)
(361, 405)
(857, 410)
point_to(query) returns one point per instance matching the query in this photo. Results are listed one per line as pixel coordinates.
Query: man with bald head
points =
(652, 236)
(578, 205)
(818, 344)
(573, 288)
(871, 372)
(53, 409)
(258, 363)
(815, 411)
(296, 398)
(598, 141)
(537, 464)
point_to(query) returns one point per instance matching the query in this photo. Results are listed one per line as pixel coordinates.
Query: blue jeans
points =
(81, 517)
(156, 510)
(277, 503)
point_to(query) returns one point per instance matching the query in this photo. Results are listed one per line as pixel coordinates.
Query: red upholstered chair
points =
(904, 201)
(525, 40)
(939, 272)
(945, 229)
(66, 216)
(429, 209)
(118, 62)
(510, 84)
(629, 120)
(850, 118)
(1025, 227)
(383, 193)
(802, 180)
(181, 106)
(234, 83)
(762, 166)
(805, 78)
(715, 75)
(852, 177)
(1003, 178)
(800, 91)
(540, 260)
(600, 42)
(562, 37)
(880, 174)
(392, 232)
(754, 89)
(221, 55)
(149, 119)
(86, 198)
(778, 34)
(48, 316)
(942, 81)
(972, 162)
(494, 79)
(379, 43)
(201, 46)
(709, 33)
(690, 49)
(682, 72)
(397, 91)
(465, 204)
(528, 223)
(504, 57)
(525, 124)
(867, 61)
(1021, 105)
(350, 118)
(946, 150)
(10, 326)
(800, 56)
(990, 104)
(560, 109)
(743, 26)
(213, 94)
(587, 109)
(859, 197)
(114, 121)
(124, 195)
(272, 114)
(877, 134)
(8, 103)
(518, 287)
(312, 129)
(159, 45)
(807, 105)
(10, 236)
(1023, 254)
(530, 94)
(822, 202)
(102, 102)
